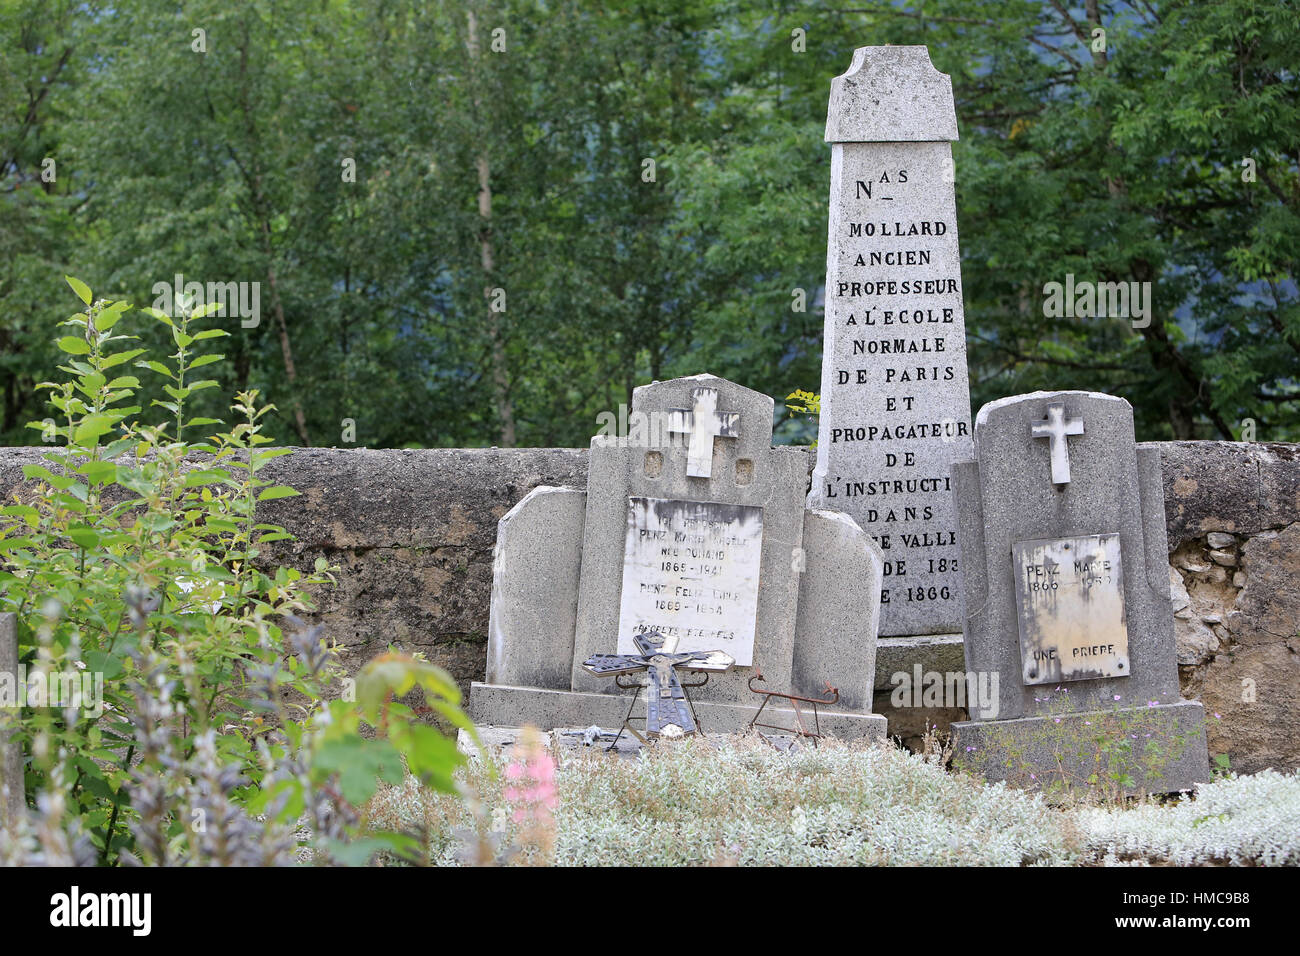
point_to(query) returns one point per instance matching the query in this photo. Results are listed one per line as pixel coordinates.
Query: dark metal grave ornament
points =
(669, 712)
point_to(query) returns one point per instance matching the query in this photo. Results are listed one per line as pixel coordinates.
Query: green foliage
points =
(1122, 164)
(808, 404)
(362, 762)
(133, 560)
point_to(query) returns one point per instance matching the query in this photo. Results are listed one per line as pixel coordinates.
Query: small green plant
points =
(807, 403)
(175, 685)
(802, 426)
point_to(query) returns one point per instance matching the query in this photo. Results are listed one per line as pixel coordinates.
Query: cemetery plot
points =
(1062, 536)
(704, 541)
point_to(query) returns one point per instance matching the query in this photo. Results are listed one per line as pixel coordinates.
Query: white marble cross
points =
(703, 422)
(1054, 428)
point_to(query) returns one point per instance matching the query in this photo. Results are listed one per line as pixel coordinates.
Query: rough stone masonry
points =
(413, 532)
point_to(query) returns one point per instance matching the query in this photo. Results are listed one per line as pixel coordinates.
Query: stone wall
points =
(412, 532)
(1234, 542)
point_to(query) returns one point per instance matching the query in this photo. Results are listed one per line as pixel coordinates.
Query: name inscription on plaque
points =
(690, 571)
(1070, 602)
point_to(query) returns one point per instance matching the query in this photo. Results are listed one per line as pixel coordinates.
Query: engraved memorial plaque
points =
(690, 571)
(1070, 603)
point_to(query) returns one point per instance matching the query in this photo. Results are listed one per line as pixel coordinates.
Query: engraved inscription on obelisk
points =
(895, 400)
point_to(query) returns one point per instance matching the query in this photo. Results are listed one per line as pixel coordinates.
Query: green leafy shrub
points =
(800, 427)
(202, 732)
(807, 403)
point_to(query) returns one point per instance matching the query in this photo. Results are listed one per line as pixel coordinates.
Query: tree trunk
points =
(286, 350)
(496, 336)
(253, 179)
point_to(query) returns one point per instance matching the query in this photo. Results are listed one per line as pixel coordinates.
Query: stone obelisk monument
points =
(895, 400)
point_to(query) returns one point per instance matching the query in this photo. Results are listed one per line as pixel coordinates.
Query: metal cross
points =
(668, 711)
(1054, 428)
(703, 422)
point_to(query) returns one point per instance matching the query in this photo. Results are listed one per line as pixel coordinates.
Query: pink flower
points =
(534, 796)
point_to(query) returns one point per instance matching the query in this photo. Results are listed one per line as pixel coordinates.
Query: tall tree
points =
(646, 184)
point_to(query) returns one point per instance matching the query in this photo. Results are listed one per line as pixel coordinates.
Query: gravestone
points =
(1063, 548)
(11, 757)
(750, 495)
(895, 402)
(693, 526)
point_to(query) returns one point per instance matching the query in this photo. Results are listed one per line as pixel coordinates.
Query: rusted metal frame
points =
(699, 727)
(801, 730)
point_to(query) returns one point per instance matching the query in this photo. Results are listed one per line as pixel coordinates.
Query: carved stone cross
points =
(1054, 428)
(703, 422)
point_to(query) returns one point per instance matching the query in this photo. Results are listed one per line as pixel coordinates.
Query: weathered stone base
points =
(937, 653)
(1160, 748)
(934, 652)
(499, 705)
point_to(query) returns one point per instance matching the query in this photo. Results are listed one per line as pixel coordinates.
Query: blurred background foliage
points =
(1115, 164)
